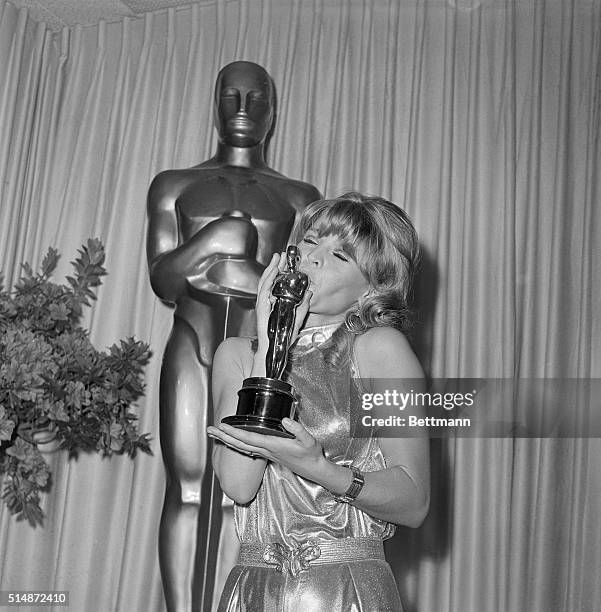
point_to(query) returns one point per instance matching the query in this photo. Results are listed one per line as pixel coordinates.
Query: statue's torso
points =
(204, 194)
(208, 193)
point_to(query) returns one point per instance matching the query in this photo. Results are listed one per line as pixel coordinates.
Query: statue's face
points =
(243, 105)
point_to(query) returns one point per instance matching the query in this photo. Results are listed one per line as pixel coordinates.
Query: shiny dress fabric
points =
(291, 510)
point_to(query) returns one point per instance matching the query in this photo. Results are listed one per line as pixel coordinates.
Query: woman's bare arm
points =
(239, 475)
(401, 492)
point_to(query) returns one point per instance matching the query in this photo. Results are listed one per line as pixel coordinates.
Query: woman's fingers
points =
(283, 263)
(262, 443)
(298, 431)
(235, 443)
(251, 438)
(264, 297)
(269, 273)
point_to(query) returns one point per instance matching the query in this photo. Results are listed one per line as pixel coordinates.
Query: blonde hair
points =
(382, 240)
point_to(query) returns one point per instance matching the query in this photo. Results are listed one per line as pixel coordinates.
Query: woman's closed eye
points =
(341, 255)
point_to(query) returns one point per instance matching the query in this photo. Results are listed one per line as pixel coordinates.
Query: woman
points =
(318, 506)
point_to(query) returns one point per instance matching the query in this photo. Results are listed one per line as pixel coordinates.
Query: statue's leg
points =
(241, 323)
(228, 548)
(183, 410)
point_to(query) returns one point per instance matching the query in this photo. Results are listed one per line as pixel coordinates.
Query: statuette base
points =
(262, 404)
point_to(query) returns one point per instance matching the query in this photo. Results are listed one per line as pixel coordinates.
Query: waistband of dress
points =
(295, 558)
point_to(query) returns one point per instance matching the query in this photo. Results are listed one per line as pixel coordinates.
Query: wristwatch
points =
(353, 491)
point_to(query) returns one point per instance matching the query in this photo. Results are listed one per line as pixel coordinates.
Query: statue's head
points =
(244, 104)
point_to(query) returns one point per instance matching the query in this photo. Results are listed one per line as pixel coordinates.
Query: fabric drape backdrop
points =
(481, 119)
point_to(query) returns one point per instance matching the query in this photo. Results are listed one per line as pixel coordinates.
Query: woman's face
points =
(336, 281)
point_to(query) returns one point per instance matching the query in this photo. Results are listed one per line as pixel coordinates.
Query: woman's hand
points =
(302, 454)
(265, 300)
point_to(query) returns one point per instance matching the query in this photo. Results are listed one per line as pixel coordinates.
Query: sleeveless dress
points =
(290, 513)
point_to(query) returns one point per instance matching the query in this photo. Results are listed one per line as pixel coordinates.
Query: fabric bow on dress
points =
(291, 559)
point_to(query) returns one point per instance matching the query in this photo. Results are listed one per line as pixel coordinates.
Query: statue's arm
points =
(169, 262)
(299, 200)
(305, 196)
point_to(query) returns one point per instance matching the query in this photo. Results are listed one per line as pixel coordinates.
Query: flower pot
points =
(46, 441)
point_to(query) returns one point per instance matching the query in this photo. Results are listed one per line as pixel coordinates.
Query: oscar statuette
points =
(264, 401)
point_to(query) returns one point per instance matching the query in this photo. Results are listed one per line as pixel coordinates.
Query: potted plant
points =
(56, 388)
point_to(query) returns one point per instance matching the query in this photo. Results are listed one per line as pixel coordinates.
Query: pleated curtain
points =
(480, 118)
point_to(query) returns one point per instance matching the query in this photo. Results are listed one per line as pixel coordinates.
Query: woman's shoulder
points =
(382, 339)
(385, 352)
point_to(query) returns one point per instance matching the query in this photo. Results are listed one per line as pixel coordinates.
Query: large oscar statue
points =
(264, 401)
(212, 229)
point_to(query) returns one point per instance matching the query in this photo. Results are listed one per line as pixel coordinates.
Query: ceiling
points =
(60, 13)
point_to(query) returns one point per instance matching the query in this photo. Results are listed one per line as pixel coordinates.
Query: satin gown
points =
(290, 510)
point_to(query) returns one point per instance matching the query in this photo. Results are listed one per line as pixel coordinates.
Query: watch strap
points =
(355, 487)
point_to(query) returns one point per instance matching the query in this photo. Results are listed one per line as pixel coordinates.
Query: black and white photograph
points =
(300, 305)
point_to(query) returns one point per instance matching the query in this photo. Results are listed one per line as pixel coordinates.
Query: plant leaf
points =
(49, 262)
